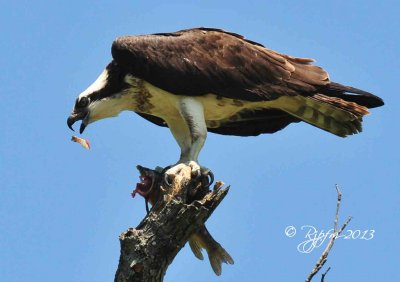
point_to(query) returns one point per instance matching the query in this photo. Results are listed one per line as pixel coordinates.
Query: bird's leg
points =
(190, 131)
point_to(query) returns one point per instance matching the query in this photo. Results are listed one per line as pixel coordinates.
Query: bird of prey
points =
(203, 80)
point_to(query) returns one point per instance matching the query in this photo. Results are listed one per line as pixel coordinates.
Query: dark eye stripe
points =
(83, 102)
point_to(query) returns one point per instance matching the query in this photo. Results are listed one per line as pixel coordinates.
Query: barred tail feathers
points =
(332, 114)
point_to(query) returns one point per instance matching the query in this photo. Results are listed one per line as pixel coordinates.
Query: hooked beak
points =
(75, 117)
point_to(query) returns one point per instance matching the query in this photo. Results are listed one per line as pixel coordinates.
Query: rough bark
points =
(178, 212)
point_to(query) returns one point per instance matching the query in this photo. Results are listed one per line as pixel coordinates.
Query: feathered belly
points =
(163, 104)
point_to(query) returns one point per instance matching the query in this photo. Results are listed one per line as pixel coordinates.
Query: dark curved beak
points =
(70, 122)
(74, 117)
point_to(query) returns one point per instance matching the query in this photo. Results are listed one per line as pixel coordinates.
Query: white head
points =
(104, 98)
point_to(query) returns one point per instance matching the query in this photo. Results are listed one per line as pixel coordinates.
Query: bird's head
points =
(103, 99)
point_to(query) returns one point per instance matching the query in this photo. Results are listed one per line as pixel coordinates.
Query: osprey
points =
(205, 79)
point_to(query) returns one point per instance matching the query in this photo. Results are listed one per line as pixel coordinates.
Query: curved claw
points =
(147, 205)
(211, 176)
(166, 176)
(166, 180)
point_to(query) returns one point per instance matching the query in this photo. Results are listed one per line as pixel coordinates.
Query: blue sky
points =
(62, 208)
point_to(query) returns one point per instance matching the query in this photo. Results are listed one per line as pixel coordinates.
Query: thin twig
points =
(344, 225)
(323, 274)
(323, 258)
(339, 199)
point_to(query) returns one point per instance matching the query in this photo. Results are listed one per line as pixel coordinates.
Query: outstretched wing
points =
(200, 61)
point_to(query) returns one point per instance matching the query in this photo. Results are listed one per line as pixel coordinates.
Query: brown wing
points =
(199, 61)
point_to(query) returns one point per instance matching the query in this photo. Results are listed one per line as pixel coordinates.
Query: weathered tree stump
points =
(177, 213)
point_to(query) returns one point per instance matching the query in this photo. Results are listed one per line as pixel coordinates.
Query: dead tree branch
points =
(177, 213)
(324, 274)
(323, 258)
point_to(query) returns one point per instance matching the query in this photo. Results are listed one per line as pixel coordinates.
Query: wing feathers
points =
(352, 94)
(200, 61)
(205, 60)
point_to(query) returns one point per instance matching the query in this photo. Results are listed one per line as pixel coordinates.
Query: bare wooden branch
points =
(323, 258)
(177, 213)
(324, 274)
